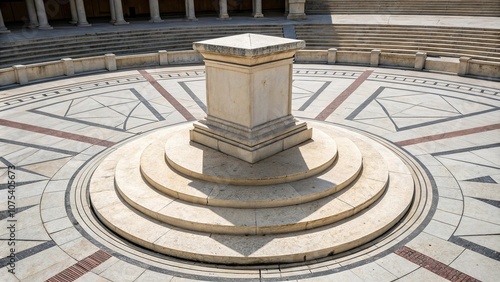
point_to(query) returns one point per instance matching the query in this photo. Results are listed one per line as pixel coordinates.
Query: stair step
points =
(146, 36)
(482, 44)
(419, 7)
(465, 42)
(477, 43)
(120, 43)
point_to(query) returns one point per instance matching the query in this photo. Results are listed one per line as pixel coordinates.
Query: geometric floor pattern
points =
(409, 109)
(118, 110)
(50, 131)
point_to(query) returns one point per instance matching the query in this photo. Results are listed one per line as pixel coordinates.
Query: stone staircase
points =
(483, 44)
(317, 199)
(486, 8)
(120, 42)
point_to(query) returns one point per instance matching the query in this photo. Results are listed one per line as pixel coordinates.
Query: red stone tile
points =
(433, 265)
(343, 96)
(56, 133)
(81, 268)
(170, 98)
(448, 135)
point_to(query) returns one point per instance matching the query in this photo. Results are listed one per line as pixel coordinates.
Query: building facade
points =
(39, 13)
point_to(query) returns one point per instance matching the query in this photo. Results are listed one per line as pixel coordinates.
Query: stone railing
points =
(23, 74)
(464, 66)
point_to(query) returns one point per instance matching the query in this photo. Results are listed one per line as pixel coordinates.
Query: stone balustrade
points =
(463, 66)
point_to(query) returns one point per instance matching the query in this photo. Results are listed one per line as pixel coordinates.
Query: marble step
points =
(403, 7)
(494, 12)
(462, 44)
(403, 32)
(299, 246)
(167, 37)
(383, 43)
(398, 31)
(108, 42)
(366, 189)
(160, 175)
(118, 43)
(302, 161)
(165, 32)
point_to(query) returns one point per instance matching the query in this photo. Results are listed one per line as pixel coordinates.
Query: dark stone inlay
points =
(461, 241)
(18, 184)
(489, 202)
(28, 252)
(468, 149)
(147, 104)
(193, 95)
(5, 214)
(482, 179)
(51, 149)
(365, 104)
(472, 163)
(314, 96)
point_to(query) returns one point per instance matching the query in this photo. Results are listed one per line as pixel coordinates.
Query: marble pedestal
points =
(249, 90)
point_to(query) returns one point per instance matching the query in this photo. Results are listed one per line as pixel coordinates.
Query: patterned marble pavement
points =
(52, 132)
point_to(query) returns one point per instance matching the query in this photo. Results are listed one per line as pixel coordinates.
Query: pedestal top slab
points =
(248, 45)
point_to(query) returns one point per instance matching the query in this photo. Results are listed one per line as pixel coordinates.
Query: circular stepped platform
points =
(319, 221)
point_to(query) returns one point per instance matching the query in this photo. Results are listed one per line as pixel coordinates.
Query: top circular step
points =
(299, 162)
